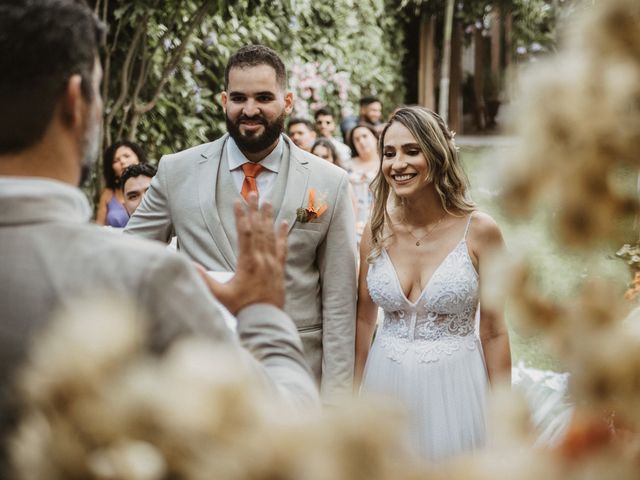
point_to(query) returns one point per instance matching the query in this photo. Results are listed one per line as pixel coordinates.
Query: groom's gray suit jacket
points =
(192, 195)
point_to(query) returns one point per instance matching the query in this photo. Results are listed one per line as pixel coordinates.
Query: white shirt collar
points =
(271, 162)
(39, 199)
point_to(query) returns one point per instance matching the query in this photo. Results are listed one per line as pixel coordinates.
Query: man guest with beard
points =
(194, 190)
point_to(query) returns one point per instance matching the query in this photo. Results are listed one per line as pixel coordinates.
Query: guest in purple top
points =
(117, 216)
(117, 157)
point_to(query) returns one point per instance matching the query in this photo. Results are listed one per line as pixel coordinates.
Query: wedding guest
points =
(51, 255)
(419, 261)
(117, 157)
(324, 148)
(371, 110)
(135, 181)
(192, 195)
(364, 167)
(301, 132)
(326, 127)
(370, 113)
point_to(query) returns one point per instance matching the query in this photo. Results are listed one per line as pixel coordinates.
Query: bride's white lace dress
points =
(428, 355)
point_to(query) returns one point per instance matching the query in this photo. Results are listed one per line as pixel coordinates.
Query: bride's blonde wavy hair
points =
(444, 167)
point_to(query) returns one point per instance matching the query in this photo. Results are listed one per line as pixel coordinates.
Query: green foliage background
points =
(362, 38)
(164, 59)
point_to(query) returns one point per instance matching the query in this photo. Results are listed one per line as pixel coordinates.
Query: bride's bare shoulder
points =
(484, 231)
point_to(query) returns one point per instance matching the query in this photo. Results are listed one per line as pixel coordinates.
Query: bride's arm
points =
(367, 312)
(486, 240)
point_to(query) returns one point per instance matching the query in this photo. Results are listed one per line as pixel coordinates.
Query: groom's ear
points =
(223, 99)
(288, 102)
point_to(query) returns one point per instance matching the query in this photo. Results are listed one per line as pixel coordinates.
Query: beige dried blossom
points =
(130, 460)
(597, 306)
(578, 124)
(510, 277)
(579, 127)
(81, 349)
(509, 453)
(197, 412)
(523, 464)
(339, 445)
(612, 30)
(605, 371)
(509, 420)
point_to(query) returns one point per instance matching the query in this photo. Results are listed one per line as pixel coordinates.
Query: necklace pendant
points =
(418, 243)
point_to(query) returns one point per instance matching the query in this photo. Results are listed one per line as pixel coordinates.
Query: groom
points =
(193, 193)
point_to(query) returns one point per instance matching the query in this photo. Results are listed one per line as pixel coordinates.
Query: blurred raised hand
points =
(262, 252)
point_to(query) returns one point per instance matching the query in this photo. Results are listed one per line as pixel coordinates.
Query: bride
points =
(420, 258)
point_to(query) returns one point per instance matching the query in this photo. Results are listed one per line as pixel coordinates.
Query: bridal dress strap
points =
(464, 237)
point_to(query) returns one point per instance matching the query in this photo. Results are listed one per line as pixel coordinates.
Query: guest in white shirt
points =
(326, 127)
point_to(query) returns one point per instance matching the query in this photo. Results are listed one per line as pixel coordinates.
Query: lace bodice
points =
(441, 321)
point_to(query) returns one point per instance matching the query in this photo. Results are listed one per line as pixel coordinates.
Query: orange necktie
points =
(251, 171)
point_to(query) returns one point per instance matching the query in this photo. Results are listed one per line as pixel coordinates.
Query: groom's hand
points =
(262, 254)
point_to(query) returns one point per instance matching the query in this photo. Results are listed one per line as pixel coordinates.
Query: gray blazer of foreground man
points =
(51, 255)
(193, 192)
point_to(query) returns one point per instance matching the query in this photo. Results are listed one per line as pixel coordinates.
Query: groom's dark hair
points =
(254, 55)
(42, 43)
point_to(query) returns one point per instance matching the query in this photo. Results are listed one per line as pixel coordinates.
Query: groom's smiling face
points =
(256, 106)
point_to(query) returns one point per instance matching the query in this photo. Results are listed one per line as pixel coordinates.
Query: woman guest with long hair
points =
(324, 148)
(117, 157)
(420, 258)
(364, 167)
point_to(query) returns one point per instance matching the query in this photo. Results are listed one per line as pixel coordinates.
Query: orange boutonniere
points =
(313, 210)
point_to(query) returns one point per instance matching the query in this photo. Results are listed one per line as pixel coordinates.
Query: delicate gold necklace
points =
(431, 229)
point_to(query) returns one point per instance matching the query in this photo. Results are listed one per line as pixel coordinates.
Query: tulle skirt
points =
(444, 399)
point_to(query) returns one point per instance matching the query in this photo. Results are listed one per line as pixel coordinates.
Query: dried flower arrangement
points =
(99, 406)
(578, 126)
(582, 124)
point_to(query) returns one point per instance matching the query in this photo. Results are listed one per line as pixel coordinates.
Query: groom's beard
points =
(90, 149)
(256, 143)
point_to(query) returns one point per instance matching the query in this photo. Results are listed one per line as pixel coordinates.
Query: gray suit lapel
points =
(296, 187)
(226, 194)
(208, 168)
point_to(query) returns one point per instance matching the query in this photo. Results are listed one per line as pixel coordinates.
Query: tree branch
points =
(126, 109)
(105, 10)
(106, 82)
(142, 73)
(195, 20)
(169, 30)
(127, 68)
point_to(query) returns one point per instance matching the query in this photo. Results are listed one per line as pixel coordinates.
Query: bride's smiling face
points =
(404, 165)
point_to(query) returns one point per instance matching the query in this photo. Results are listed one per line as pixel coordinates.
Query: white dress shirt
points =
(266, 179)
